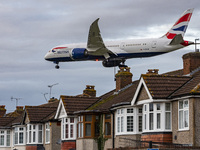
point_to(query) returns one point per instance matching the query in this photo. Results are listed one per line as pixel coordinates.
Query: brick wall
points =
(157, 137)
(191, 61)
(68, 145)
(123, 78)
(35, 147)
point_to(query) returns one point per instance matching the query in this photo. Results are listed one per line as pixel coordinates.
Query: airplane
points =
(115, 53)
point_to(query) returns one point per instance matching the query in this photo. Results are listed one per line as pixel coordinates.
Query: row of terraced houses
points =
(163, 108)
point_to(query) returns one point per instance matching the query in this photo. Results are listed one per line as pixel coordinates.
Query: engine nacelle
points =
(79, 53)
(111, 62)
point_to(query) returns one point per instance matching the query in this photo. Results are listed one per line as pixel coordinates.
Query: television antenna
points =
(50, 86)
(44, 95)
(16, 99)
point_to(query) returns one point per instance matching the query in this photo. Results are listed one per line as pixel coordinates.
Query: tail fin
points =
(180, 26)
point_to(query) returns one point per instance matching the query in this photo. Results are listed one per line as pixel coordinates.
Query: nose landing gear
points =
(57, 66)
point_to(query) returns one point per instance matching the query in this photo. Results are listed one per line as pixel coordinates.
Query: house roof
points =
(77, 103)
(162, 86)
(192, 87)
(6, 122)
(41, 113)
(112, 98)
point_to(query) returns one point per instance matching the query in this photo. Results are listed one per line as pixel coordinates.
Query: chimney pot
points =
(90, 91)
(152, 71)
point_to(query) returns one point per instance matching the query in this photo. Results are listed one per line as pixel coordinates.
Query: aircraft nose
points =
(46, 57)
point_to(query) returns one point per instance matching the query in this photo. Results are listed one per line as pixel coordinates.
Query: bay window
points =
(128, 120)
(157, 117)
(183, 110)
(19, 135)
(89, 126)
(68, 128)
(34, 133)
(4, 138)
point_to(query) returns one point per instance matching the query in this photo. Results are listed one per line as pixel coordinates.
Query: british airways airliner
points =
(114, 53)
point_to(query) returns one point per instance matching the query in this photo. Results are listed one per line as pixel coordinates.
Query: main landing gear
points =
(57, 66)
(122, 64)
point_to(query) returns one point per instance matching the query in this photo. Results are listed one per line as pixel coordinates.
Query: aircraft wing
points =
(95, 44)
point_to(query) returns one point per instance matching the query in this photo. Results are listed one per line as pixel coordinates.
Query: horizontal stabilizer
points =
(178, 39)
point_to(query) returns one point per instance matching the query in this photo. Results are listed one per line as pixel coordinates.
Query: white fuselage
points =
(124, 49)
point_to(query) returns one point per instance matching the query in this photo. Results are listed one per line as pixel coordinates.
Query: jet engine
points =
(112, 62)
(79, 53)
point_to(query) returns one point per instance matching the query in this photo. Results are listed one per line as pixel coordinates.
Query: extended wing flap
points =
(178, 39)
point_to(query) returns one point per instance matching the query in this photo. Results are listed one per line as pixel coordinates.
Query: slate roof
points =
(76, 103)
(41, 113)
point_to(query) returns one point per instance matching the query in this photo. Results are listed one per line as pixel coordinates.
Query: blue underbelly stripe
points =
(124, 55)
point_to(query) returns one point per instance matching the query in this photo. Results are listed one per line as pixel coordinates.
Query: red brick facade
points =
(157, 137)
(68, 145)
(31, 147)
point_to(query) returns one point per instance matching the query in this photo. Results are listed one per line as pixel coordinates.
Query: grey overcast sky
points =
(30, 28)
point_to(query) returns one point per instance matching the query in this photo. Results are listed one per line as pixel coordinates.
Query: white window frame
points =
(158, 124)
(184, 109)
(80, 127)
(47, 133)
(18, 130)
(71, 128)
(122, 116)
(34, 133)
(6, 135)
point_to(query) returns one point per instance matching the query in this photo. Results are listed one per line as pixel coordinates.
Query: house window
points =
(34, 133)
(19, 135)
(183, 115)
(130, 120)
(157, 117)
(89, 125)
(107, 124)
(120, 120)
(151, 114)
(140, 120)
(68, 128)
(47, 132)
(4, 138)
(80, 126)
(167, 116)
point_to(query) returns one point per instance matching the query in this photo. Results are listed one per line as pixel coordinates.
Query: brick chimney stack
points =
(90, 91)
(123, 78)
(2, 110)
(191, 61)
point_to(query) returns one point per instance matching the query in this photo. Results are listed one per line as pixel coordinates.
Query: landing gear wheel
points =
(57, 66)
